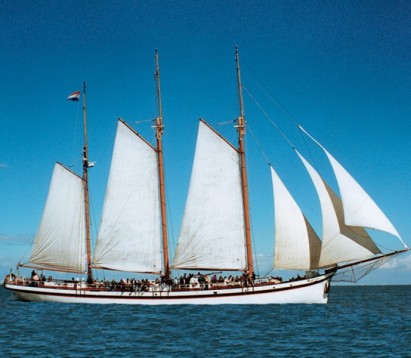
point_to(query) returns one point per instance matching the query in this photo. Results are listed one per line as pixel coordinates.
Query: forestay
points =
(60, 240)
(212, 234)
(130, 232)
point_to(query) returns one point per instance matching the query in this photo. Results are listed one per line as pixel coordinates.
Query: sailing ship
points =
(215, 233)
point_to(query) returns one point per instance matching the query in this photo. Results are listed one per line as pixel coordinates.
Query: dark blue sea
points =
(359, 321)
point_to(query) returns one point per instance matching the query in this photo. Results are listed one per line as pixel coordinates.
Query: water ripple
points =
(359, 321)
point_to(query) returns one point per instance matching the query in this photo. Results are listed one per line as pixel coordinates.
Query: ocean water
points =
(359, 321)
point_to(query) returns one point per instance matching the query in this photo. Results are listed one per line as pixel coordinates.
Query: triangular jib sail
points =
(130, 233)
(359, 208)
(297, 246)
(340, 242)
(60, 240)
(212, 235)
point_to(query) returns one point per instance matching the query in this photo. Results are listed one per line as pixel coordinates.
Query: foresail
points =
(297, 246)
(213, 234)
(340, 242)
(60, 243)
(130, 232)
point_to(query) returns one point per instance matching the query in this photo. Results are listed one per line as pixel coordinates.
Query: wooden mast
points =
(86, 194)
(159, 132)
(241, 133)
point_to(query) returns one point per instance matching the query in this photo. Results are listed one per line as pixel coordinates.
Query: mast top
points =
(157, 77)
(85, 121)
(240, 85)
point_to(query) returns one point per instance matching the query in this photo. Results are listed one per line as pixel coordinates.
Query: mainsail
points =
(297, 246)
(60, 240)
(130, 233)
(213, 233)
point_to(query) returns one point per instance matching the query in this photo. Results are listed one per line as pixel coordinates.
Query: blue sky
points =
(339, 68)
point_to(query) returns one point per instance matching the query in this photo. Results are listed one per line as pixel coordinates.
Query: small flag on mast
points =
(75, 96)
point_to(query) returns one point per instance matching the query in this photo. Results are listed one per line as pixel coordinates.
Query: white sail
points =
(297, 246)
(359, 208)
(130, 232)
(340, 242)
(60, 241)
(213, 234)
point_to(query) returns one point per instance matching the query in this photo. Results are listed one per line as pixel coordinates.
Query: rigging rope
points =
(269, 118)
(259, 145)
(288, 115)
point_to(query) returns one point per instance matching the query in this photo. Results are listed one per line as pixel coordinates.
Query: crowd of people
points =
(185, 281)
(206, 281)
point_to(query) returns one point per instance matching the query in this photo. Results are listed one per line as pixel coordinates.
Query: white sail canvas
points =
(60, 240)
(212, 234)
(340, 242)
(130, 232)
(297, 246)
(359, 208)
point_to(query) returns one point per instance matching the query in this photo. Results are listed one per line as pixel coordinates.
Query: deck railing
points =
(133, 285)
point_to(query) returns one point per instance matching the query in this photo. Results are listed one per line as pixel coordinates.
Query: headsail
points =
(297, 246)
(60, 240)
(213, 234)
(359, 208)
(130, 233)
(340, 242)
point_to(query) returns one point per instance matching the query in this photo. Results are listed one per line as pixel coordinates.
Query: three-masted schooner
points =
(215, 233)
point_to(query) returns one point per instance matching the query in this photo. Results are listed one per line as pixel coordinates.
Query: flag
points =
(75, 96)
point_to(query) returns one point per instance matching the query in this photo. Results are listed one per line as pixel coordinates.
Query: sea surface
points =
(359, 321)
